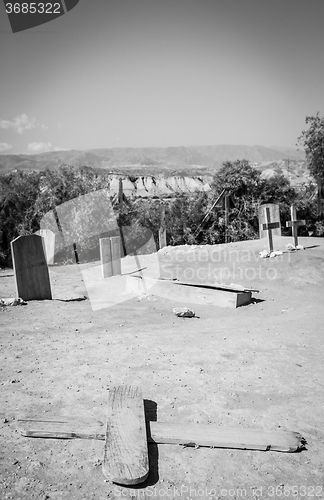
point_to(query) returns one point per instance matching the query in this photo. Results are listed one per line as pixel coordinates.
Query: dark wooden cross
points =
(268, 226)
(294, 224)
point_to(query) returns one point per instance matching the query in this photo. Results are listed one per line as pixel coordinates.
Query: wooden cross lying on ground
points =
(268, 226)
(294, 224)
(129, 431)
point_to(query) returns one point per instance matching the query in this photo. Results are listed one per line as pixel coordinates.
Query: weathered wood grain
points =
(187, 292)
(183, 433)
(126, 454)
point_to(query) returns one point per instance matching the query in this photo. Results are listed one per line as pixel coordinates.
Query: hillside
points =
(164, 171)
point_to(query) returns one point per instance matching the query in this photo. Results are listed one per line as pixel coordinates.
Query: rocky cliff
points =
(158, 186)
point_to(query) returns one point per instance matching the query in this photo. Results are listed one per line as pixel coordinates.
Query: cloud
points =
(42, 147)
(4, 147)
(19, 124)
(39, 147)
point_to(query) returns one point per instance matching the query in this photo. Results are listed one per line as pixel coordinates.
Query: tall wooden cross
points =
(269, 226)
(294, 224)
(162, 228)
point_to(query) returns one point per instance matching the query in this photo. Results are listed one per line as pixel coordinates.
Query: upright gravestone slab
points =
(30, 268)
(115, 242)
(105, 257)
(274, 217)
(48, 243)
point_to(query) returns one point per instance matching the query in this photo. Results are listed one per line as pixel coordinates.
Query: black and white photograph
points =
(161, 249)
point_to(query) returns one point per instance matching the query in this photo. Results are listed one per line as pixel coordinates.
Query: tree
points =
(312, 139)
(238, 177)
(18, 192)
(244, 184)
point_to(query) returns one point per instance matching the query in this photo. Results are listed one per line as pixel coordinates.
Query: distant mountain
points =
(189, 160)
(173, 163)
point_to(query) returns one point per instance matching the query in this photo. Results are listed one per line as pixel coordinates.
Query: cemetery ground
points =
(259, 366)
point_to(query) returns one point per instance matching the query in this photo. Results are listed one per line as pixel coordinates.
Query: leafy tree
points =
(312, 139)
(239, 178)
(244, 184)
(18, 192)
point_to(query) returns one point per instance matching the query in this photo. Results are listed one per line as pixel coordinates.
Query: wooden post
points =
(162, 228)
(30, 268)
(120, 206)
(294, 224)
(269, 226)
(319, 197)
(115, 255)
(105, 257)
(227, 207)
(75, 253)
(120, 194)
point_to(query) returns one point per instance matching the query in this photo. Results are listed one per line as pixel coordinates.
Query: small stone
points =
(184, 312)
(263, 254)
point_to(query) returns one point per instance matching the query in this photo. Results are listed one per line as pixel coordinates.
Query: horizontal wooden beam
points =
(186, 434)
(193, 293)
(270, 225)
(294, 223)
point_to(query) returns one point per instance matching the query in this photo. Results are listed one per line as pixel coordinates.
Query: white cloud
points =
(20, 123)
(39, 147)
(4, 147)
(42, 147)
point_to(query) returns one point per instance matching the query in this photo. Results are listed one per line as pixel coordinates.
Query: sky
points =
(159, 73)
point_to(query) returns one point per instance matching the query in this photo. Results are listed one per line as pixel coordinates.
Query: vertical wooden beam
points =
(319, 197)
(105, 257)
(75, 253)
(270, 240)
(294, 229)
(126, 454)
(120, 194)
(227, 208)
(162, 228)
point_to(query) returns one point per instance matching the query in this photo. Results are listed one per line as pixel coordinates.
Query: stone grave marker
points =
(115, 242)
(294, 224)
(105, 257)
(30, 268)
(110, 256)
(48, 243)
(269, 227)
(274, 217)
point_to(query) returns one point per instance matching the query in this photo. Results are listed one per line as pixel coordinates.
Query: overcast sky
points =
(118, 73)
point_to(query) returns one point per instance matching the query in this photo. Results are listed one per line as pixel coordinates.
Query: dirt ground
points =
(257, 366)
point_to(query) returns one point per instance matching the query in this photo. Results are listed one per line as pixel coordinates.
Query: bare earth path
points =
(258, 366)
